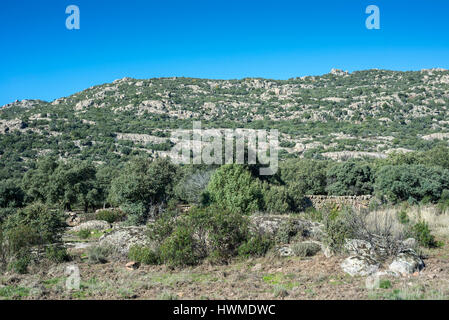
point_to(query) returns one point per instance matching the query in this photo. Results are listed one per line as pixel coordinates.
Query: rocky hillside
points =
(337, 115)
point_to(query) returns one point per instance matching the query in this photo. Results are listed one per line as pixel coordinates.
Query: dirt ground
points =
(317, 277)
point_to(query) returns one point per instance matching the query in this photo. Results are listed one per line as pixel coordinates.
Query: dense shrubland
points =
(146, 191)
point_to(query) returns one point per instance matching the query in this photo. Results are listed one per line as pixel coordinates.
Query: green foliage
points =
(110, 216)
(44, 225)
(57, 254)
(349, 178)
(337, 228)
(143, 255)
(257, 245)
(385, 284)
(289, 230)
(143, 184)
(98, 254)
(11, 195)
(189, 238)
(305, 249)
(233, 188)
(21, 262)
(179, 248)
(66, 184)
(403, 217)
(305, 176)
(276, 199)
(227, 231)
(404, 182)
(422, 234)
(84, 233)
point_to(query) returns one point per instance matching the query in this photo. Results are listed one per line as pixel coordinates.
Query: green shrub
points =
(84, 233)
(422, 234)
(349, 178)
(257, 245)
(403, 217)
(45, 226)
(289, 230)
(337, 228)
(98, 254)
(306, 249)
(232, 188)
(276, 199)
(57, 254)
(143, 255)
(385, 284)
(178, 249)
(21, 261)
(411, 182)
(227, 232)
(110, 216)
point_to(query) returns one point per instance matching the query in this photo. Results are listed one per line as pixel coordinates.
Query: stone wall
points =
(357, 202)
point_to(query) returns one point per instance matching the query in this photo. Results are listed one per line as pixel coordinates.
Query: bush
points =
(307, 176)
(142, 185)
(179, 249)
(110, 216)
(232, 188)
(143, 255)
(306, 249)
(411, 182)
(422, 234)
(57, 254)
(276, 199)
(46, 226)
(21, 262)
(226, 232)
(84, 233)
(349, 178)
(257, 245)
(337, 227)
(98, 254)
(288, 230)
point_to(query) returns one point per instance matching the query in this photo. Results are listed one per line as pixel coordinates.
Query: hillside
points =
(337, 115)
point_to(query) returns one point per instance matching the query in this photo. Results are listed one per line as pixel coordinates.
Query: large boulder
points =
(359, 247)
(270, 225)
(123, 238)
(406, 262)
(359, 266)
(92, 225)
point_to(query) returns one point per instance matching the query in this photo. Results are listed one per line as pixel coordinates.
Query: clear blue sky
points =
(227, 39)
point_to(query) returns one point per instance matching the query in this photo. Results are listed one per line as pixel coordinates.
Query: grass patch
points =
(12, 292)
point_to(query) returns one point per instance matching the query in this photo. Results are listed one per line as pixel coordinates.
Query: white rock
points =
(406, 262)
(359, 266)
(286, 252)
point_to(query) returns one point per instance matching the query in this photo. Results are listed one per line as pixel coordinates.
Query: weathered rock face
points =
(270, 225)
(406, 262)
(123, 238)
(359, 247)
(359, 266)
(92, 225)
(73, 219)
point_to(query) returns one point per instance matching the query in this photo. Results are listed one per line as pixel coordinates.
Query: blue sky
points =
(222, 39)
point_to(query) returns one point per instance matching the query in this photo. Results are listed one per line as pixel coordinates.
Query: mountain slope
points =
(337, 115)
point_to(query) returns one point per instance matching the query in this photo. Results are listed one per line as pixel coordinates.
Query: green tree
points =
(305, 176)
(404, 182)
(349, 178)
(142, 184)
(233, 188)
